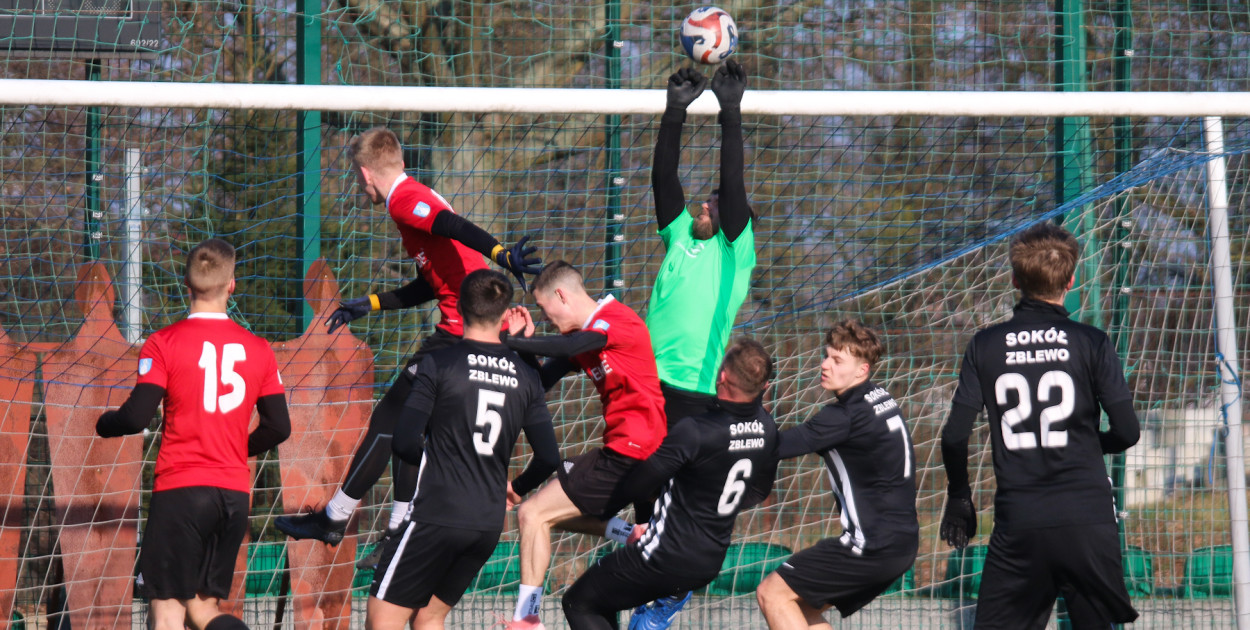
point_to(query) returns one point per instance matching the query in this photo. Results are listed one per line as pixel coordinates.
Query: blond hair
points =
(376, 148)
(210, 268)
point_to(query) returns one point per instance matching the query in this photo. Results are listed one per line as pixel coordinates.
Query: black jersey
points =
(1041, 378)
(477, 398)
(867, 447)
(716, 464)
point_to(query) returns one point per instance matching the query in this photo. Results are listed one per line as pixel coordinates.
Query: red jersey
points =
(629, 386)
(441, 261)
(212, 371)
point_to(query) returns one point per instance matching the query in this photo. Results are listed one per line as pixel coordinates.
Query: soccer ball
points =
(709, 35)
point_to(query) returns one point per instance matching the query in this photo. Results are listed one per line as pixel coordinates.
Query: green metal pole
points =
(1073, 155)
(95, 174)
(308, 145)
(615, 215)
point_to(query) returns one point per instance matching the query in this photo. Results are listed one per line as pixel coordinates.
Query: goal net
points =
(901, 221)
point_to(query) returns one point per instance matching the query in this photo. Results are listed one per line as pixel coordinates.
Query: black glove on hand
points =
(684, 86)
(729, 82)
(959, 521)
(518, 259)
(347, 311)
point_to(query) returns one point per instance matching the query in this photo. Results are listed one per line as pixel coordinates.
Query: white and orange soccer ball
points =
(709, 35)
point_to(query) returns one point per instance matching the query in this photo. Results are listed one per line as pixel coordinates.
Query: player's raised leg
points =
(536, 518)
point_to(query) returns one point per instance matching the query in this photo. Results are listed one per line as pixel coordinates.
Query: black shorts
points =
(621, 580)
(681, 403)
(1025, 569)
(431, 560)
(830, 572)
(591, 479)
(191, 541)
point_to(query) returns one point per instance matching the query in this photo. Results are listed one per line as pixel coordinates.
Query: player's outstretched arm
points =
(729, 83)
(565, 346)
(416, 292)
(959, 519)
(518, 259)
(684, 86)
(825, 430)
(274, 427)
(134, 415)
(680, 445)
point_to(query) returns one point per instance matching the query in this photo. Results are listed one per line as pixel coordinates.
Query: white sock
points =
(618, 530)
(529, 603)
(399, 512)
(340, 508)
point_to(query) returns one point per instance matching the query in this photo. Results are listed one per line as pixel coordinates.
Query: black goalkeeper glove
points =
(349, 310)
(518, 259)
(729, 82)
(684, 86)
(959, 521)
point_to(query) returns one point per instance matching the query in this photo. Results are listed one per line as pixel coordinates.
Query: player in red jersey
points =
(610, 342)
(446, 248)
(210, 373)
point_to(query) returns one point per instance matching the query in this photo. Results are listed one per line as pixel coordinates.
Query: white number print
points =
(735, 487)
(231, 354)
(488, 421)
(1060, 409)
(896, 424)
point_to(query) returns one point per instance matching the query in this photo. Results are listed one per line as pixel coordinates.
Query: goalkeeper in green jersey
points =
(709, 255)
(710, 248)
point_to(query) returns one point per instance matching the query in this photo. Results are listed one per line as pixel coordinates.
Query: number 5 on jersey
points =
(488, 421)
(231, 354)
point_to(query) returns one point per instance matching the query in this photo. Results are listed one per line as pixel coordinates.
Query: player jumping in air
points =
(865, 444)
(447, 248)
(711, 466)
(706, 272)
(1042, 379)
(210, 373)
(608, 341)
(469, 402)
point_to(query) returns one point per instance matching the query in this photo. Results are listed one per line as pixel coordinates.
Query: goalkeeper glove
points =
(352, 309)
(518, 259)
(684, 86)
(729, 82)
(959, 521)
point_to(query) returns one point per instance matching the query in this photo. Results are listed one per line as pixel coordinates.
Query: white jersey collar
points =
(602, 303)
(208, 316)
(398, 180)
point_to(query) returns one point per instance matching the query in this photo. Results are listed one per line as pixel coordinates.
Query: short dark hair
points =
(210, 268)
(857, 339)
(485, 295)
(554, 273)
(1043, 259)
(748, 366)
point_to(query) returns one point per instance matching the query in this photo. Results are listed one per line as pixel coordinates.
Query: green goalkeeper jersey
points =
(697, 294)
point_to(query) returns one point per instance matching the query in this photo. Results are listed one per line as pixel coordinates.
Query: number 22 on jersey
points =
(226, 377)
(1059, 410)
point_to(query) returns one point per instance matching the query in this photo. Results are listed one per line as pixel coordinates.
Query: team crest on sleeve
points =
(601, 325)
(422, 210)
(145, 366)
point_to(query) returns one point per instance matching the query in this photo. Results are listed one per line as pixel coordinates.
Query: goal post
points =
(895, 208)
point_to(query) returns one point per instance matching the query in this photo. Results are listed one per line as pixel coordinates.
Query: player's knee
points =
(772, 590)
(529, 516)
